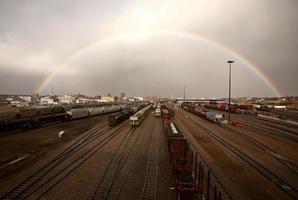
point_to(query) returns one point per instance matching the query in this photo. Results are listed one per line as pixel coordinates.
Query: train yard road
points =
(247, 166)
(102, 163)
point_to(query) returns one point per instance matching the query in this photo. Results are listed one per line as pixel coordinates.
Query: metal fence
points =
(210, 186)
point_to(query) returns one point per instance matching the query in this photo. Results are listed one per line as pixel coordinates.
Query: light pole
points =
(230, 66)
(184, 94)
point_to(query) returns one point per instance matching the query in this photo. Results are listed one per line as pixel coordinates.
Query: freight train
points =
(117, 118)
(137, 118)
(181, 158)
(209, 115)
(29, 117)
(222, 107)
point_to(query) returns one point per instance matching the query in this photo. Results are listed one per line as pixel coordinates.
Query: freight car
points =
(137, 118)
(14, 113)
(209, 115)
(214, 117)
(223, 107)
(117, 118)
(181, 158)
(97, 110)
(77, 113)
(30, 117)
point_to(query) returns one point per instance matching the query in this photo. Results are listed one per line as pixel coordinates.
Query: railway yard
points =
(168, 152)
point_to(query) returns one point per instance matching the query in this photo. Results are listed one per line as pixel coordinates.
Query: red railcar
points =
(181, 159)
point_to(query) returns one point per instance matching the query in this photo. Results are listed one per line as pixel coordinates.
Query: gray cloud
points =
(36, 37)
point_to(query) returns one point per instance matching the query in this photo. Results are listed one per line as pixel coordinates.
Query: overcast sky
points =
(140, 49)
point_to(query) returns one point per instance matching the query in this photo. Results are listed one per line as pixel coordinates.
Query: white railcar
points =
(77, 113)
(215, 117)
(97, 110)
(157, 112)
(137, 118)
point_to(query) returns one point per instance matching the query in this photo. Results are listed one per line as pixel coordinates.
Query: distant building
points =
(116, 98)
(107, 99)
(47, 101)
(66, 99)
(26, 98)
(139, 98)
(16, 102)
(150, 98)
(122, 95)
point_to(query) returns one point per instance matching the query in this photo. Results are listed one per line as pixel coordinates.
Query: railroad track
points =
(149, 191)
(204, 164)
(280, 183)
(289, 114)
(268, 130)
(26, 188)
(118, 168)
(282, 123)
(264, 122)
(280, 158)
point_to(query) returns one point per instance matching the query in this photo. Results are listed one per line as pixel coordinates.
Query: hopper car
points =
(137, 118)
(30, 117)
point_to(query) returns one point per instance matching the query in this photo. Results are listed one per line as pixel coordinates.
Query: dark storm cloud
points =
(36, 37)
(18, 82)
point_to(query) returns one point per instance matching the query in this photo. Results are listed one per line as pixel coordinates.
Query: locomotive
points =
(117, 118)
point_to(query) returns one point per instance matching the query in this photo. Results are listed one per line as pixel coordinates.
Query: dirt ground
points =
(36, 145)
(43, 145)
(240, 179)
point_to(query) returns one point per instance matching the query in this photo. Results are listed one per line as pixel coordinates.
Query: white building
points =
(25, 98)
(66, 99)
(46, 101)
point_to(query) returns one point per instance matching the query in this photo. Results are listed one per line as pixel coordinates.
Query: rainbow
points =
(198, 37)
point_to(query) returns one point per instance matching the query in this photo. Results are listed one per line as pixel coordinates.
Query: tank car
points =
(109, 108)
(76, 113)
(97, 110)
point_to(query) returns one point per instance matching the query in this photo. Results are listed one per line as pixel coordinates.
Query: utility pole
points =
(184, 94)
(230, 66)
